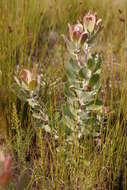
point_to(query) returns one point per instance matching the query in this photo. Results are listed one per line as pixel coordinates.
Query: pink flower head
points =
(5, 172)
(89, 22)
(25, 75)
(29, 78)
(78, 29)
(75, 31)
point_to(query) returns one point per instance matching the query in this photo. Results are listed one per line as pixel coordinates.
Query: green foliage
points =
(83, 109)
(83, 106)
(29, 93)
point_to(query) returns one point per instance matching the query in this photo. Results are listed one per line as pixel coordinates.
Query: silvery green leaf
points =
(24, 86)
(98, 72)
(32, 103)
(36, 116)
(96, 108)
(46, 128)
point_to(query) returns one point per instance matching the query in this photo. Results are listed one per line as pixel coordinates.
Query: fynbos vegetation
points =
(63, 75)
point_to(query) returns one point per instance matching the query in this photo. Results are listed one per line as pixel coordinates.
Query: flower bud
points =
(89, 22)
(25, 75)
(78, 29)
(75, 31)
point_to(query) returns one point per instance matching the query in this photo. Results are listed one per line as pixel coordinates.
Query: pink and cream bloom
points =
(78, 29)
(5, 169)
(77, 33)
(25, 75)
(89, 22)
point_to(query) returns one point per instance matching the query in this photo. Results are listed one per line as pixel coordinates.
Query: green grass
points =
(26, 39)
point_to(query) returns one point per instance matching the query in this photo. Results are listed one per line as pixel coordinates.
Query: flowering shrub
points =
(5, 169)
(27, 88)
(83, 109)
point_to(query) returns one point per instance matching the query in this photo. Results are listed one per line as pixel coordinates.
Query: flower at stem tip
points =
(91, 22)
(77, 33)
(83, 33)
(25, 75)
(29, 77)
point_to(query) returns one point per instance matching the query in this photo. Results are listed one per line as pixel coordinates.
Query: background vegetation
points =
(30, 34)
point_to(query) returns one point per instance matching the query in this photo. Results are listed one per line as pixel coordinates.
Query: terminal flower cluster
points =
(82, 32)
